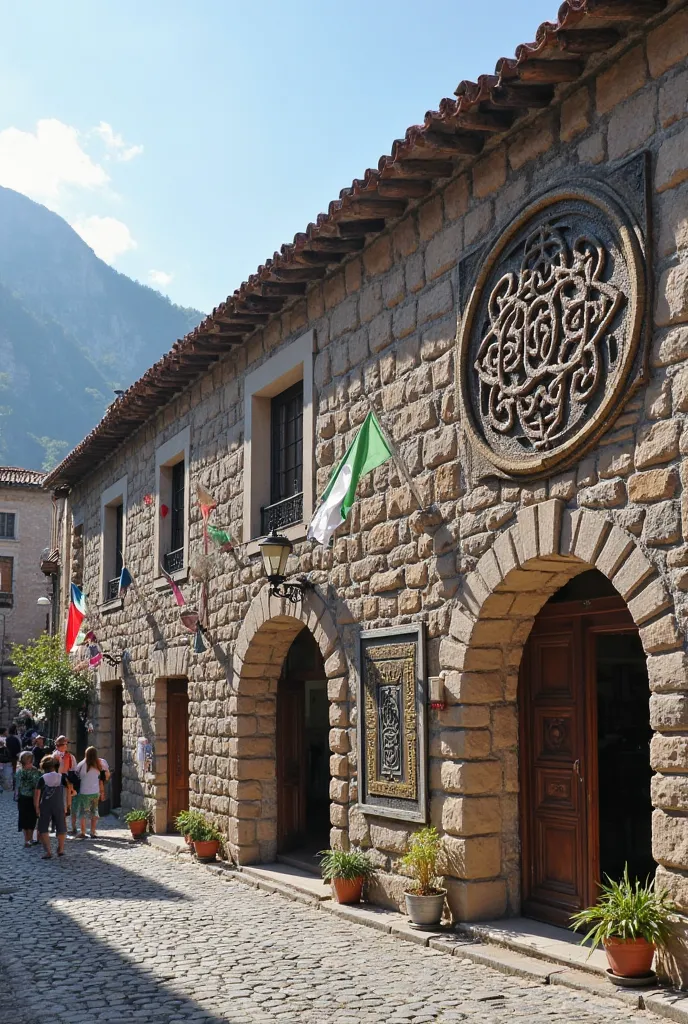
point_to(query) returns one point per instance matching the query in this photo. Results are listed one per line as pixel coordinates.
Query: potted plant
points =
(137, 821)
(183, 824)
(630, 920)
(204, 835)
(346, 870)
(425, 900)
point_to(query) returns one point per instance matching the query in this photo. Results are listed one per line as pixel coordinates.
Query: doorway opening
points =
(177, 750)
(303, 766)
(585, 761)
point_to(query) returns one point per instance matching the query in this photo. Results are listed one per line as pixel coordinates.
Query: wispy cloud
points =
(42, 164)
(159, 278)
(107, 236)
(116, 147)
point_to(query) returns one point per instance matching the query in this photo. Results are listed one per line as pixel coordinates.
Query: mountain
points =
(72, 330)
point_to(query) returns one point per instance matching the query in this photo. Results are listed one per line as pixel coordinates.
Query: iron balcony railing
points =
(174, 560)
(112, 589)
(282, 513)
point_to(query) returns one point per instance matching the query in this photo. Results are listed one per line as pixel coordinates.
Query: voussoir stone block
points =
(474, 592)
(505, 555)
(549, 517)
(490, 568)
(632, 572)
(591, 533)
(615, 549)
(528, 531)
(462, 625)
(650, 601)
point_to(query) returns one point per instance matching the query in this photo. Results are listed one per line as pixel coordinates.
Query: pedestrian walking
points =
(13, 744)
(92, 773)
(5, 763)
(39, 750)
(66, 763)
(28, 777)
(48, 803)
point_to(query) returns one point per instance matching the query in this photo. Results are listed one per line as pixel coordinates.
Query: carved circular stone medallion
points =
(551, 331)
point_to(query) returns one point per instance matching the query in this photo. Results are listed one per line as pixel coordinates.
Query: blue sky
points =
(186, 141)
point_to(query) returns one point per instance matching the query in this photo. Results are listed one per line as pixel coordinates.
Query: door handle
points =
(576, 770)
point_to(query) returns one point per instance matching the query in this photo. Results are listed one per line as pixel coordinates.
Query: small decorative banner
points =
(148, 499)
(163, 511)
(392, 735)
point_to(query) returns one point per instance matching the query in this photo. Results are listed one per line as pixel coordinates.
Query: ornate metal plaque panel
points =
(392, 723)
(551, 332)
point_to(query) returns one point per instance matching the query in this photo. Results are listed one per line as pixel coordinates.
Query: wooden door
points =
(177, 750)
(116, 774)
(558, 724)
(291, 764)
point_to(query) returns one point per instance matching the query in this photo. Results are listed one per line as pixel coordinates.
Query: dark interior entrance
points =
(585, 762)
(177, 750)
(303, 769)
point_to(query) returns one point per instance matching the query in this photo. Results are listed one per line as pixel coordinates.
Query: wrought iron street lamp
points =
(45, 602)
(275, 551)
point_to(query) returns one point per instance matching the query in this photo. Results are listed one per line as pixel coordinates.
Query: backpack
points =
(5, 755)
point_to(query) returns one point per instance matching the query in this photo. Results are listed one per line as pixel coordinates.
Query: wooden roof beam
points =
(284, 288)
(624, 10)
(452, 143)
(485, 120)
(298, 273)
(336, 243)
(523, 97)
(550, 72)
(365, 207)
(404, 188)
(587, 40)
(359, 228)
(424, 168)
(314, 258)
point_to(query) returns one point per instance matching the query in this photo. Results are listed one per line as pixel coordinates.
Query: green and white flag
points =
(368, 450)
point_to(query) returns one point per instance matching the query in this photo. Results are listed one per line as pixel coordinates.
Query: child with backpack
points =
(48, 801)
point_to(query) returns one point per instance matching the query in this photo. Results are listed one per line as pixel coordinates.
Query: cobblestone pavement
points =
(115, 931)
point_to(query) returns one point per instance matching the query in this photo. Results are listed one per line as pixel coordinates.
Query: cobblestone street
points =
(115, 931)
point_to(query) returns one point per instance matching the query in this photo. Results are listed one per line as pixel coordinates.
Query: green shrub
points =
(184, 819)
(627, 910)
(137, 814)
(425, 848)
(345, 864)
(201, 830)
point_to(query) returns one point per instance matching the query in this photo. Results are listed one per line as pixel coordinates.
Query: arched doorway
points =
(302, 735)
(585, 732)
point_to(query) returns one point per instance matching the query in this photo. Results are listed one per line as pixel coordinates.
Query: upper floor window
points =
(286, 459)
(172, 529)
(7, 525)
(113, 538)
(6, 573)
(279, 420)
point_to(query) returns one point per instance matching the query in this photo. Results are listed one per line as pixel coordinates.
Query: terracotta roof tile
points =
(447, 139)
(12, 476)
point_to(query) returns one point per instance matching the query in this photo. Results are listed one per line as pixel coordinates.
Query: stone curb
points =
(668, 1003)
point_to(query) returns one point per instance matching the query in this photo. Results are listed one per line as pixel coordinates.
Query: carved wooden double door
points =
(560, 785)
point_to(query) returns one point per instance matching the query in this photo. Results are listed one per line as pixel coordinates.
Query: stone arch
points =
(490, 624)
(267, 632)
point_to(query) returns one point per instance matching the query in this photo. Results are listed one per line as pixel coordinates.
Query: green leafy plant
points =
(201, 830)
(137, 814)
(47, 683)
(627, 910)
(184, 820)
(345, 864)
(421, 860)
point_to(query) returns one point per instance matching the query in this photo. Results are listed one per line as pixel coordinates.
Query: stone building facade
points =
(412, 294)
(25, 524)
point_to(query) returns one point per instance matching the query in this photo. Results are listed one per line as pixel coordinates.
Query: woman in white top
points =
(91, 771)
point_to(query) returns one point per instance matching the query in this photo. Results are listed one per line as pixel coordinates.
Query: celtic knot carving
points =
(540, 357)
(553, 336)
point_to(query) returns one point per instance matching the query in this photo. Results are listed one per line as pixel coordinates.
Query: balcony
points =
(112, 589)
(6, 599)
(174, 560)
(282, 513)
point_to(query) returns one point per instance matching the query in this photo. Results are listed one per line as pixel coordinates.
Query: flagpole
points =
(403, 469)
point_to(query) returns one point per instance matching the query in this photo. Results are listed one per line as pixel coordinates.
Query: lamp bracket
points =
(292, 591)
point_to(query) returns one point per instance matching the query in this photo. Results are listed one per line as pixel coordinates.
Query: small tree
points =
(47, 683)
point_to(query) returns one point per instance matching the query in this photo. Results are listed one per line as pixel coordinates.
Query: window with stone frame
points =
(286, 460)
(6, 579)
(172, 520)
(8, 525)
(113, 516)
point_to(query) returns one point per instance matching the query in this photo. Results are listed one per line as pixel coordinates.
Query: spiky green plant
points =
(184, 820)
(422, 858)
(201, 829)
(345, 864)
(627, 910)
(137, 814)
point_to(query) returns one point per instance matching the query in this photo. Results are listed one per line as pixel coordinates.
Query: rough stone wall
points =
(25, 619)
(385, 326)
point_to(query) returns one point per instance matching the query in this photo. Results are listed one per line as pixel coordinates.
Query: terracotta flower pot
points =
(347, 890)
(629, 958)
(137, 827)
(206, 849)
